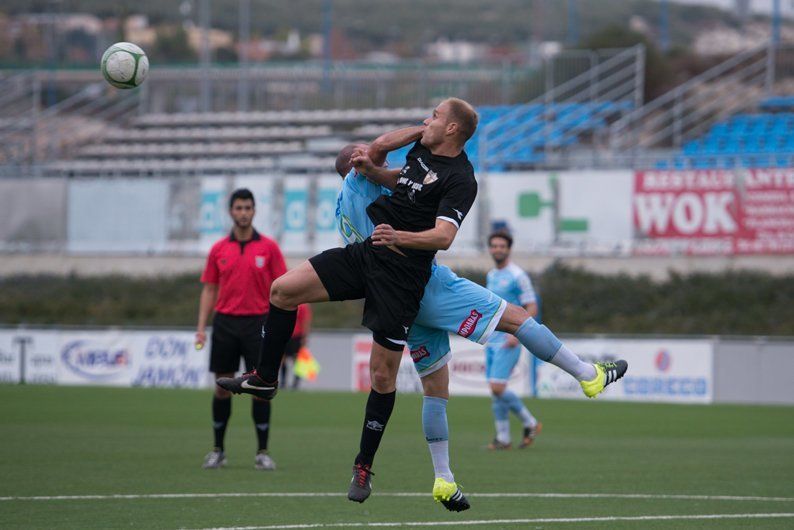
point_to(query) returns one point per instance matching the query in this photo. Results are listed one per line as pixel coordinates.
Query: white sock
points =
(527, 418)
(439, 452)
(503, 431)
(571, 363)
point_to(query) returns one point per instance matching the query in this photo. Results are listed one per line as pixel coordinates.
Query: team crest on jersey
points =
(430, 178)
(260, 261)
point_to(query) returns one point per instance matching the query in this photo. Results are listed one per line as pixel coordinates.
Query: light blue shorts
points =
(500, 361)
(451, 305)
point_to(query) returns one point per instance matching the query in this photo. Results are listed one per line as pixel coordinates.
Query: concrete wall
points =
(754, 371)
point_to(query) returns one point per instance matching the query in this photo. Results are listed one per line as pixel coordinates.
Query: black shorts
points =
(234, 337)
(392, 285)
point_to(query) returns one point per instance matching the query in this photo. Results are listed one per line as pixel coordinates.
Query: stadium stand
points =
(765, 139)
(305, 141)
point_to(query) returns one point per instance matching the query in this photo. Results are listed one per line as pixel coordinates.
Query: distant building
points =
(456, 51)
(725, 40)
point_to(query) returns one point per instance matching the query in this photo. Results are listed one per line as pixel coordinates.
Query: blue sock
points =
(434, 419)
(499, 408)
(501, 418)
(538, 339)
(518, 408)
(512, 401)
(436, 429)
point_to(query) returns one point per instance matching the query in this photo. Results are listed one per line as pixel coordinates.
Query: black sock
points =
(221, 412)
(260, 411)
(379, 407)
(278, 330)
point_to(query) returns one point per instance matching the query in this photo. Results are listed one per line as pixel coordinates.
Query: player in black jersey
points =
(431, 195)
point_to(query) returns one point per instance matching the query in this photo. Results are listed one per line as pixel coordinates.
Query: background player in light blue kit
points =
(503, 351)
(450, 305)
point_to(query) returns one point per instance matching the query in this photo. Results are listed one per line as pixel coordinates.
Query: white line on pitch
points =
(400, 494)
(520, 521)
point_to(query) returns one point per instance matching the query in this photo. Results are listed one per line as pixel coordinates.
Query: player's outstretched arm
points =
(438, 238)
(377, 174)
(388, 142)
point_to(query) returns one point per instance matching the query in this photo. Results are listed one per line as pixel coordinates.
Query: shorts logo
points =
(260, 261)
(470, 324)
(419, 354)
(374, 425)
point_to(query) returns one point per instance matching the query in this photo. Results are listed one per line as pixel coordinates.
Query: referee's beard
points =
(243, 224)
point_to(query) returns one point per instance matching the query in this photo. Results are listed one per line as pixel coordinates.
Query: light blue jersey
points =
(450, 304)
(513, 285)
(351, 207)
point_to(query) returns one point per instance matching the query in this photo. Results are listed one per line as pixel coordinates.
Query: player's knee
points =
(497, 389)
(512, 318)
(383, 378)
(280, 294)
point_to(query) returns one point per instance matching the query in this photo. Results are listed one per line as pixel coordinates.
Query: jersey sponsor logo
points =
(260, 261)
(349, 232)
(419, 353)
(468, 326)
(414, 186)
(374, 425)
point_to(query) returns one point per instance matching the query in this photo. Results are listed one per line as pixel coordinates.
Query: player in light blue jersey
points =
(503, 351)
(450, 305)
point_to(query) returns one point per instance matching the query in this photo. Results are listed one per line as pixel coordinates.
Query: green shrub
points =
(573, 301)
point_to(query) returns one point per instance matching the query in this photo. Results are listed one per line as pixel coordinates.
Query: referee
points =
(240, 269)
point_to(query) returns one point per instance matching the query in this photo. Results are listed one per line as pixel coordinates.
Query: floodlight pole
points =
(328, 8)
(204, 21)
(573, 22)
(664, 25)
(243, 37)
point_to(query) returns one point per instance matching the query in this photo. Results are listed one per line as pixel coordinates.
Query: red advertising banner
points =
(714, 212)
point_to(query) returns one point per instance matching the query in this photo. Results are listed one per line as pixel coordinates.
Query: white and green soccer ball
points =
(124, 65)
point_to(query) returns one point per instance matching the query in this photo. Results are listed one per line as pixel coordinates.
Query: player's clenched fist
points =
(362, 162)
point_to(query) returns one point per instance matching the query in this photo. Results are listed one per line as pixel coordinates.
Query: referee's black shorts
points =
(234, 337)
(391, 284)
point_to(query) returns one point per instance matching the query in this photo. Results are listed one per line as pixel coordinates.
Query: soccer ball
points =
(124, 65)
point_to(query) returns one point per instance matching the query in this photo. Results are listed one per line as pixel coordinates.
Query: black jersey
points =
(429, 187)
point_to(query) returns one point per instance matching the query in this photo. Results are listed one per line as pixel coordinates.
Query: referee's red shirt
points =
(244, 272)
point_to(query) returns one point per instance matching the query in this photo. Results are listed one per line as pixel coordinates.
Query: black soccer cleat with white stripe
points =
(249, 383)
(606, 374)
(450, 495)
(457, 503)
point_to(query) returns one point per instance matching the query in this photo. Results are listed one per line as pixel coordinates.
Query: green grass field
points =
(650, 461)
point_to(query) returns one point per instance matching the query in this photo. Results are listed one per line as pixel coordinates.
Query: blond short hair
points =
(462, 113)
